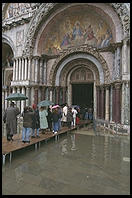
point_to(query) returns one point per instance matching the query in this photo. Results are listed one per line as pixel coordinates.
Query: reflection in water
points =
(19, 172)
(106, 154)
(73, 136)
(93, 153)
(75, 164)
(63, 146)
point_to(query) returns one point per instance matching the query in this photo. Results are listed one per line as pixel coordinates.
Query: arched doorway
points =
(79, 74)
(82, 81)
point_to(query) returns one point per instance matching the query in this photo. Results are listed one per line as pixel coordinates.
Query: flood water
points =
(76, 164)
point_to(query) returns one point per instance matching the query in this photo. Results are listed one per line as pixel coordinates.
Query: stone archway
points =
(63, 68)
(83, 52)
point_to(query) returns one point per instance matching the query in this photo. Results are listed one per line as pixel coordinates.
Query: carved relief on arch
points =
(90, 69)
(81, 49)
(82, 75)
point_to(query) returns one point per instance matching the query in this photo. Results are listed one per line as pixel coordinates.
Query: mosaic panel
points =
(76, 26)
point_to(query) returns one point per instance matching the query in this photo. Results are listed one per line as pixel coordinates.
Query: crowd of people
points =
(43, 119)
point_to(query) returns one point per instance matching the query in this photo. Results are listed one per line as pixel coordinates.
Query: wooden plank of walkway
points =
(16, 144)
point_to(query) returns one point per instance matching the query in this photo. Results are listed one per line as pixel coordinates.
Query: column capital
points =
(35, 57)
(107, 86)
(102, 87)
(117, 85)
(36, 87)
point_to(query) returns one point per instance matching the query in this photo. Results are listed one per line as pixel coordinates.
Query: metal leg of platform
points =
(39, 144)
(36, 146)
(46, 141)
(10, 156)
(4, 156)
(56, 138)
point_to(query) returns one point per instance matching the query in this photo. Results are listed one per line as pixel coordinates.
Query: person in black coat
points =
(49, 119)
(27, 115)
(55, 118)
(36, 122)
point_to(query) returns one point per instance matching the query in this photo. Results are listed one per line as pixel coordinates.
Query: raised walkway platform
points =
(10, 146)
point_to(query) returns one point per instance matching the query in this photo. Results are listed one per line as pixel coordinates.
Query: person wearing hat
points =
(10, 118)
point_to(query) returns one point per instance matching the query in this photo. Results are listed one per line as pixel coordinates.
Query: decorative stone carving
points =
(34, 25)
(94, 52)
(19, 37)
(17, 9)
(122, 12)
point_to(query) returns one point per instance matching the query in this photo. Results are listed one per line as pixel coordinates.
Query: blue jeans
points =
(55, 126)
(26, 134)
(33, 132)
(90, 116)
(59, 124)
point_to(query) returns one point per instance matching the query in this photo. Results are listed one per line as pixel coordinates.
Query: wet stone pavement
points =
(79, 163)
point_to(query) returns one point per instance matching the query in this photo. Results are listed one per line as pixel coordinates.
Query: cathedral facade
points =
(75, 53)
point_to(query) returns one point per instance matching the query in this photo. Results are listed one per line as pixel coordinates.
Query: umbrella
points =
(45, 103)
(16, 97)
(54, 107)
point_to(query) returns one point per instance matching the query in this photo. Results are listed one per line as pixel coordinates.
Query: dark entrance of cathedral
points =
(82, 94)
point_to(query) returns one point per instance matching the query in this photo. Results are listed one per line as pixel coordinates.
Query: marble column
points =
(111, 102)
(107, 103)
(36, 69)
(97, 93)
(32, 95)
(13, 90)
(122, 103)
(118, 103)
(114, 67)
(39, 94)
(64, 95)
(118, 67)
(43, 93)
(124, 57)
(57, 95)
(126, 103)
(46, 93)
(68, 95)
(95, 101)
(45, 71)
(102, 104)
(6, 94)
(26, 66)
(22, 69)
(61, 96)
(28, 101)
(41, 71)
(51, 94)
(29, 68)
(14, 69)
(36, 95)
(18, 102)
